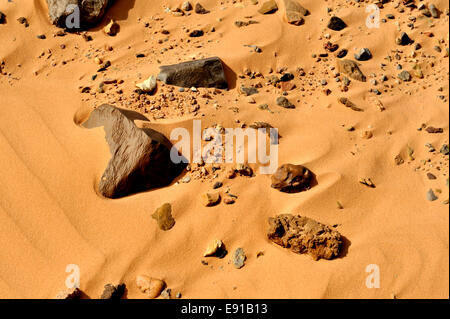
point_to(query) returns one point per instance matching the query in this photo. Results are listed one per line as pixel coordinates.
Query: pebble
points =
(210, 199)
(239, 258)
(431, 196)
(284, 102)
(363, 55)
(150, 286)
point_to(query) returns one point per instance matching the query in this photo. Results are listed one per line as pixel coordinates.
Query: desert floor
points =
(51, 215)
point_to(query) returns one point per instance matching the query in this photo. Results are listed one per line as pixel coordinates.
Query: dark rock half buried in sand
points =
(291, 178)
(140, 157)
(304, 235)
(206, 73)
(91, 12)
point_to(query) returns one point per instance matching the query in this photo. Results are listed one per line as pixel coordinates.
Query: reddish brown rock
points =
(291, 178)
(352, 69)
(295, 12)
(140, 157)
(304, 235)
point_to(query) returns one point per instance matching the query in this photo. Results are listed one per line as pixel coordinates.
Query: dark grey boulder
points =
(208, 73)
(140, 157)
(91, 11)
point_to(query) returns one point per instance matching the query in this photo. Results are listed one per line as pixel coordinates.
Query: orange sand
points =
(51, 215)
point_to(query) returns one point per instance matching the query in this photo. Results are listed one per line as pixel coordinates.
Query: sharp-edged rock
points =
(207, 73)
(199, 9)
(295, 12)
(140, 157)
(91, 11)
(268, 7)
(291, 178)
(336, 24)
(303, 235)
(163, 215)
(351, 68)
(113, 292)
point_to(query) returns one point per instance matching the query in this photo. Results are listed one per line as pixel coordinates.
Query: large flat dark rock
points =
(207, 73)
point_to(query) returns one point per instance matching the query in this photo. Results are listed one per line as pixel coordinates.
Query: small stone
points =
(215, 249)
(112, 28)
(367, 182)
(248, 90)
(113, 292)
(228, 200)
(431, 196)
(347, 103)
(70, 294)
(295, 12)
(41, 36)
(268, 7)
(23, 21)
(434, 130)
(445, 149)
(196, 33)
(148, 86)
(351, 68)
(163, 215)
(210, 199)
(291, 178)
(405, 76)
(434, 11)
(186, 6)
(2, 18)
(150, 286)
(399, 160)
(199, 9)
(342, 53)
(239, 258)
(366, 135)
(217, 185)
(336, 24)
(403, 39)
(284, 102)
(166, 293)
(363, 55)
(431, 176)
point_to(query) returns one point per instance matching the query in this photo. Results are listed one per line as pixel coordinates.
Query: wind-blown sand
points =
(51, 214)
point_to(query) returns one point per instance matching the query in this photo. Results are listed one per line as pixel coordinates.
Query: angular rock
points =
(431, 196)
(403, 39)
(336, 24)
(239, 258)
(351, 68)
(199, 9)
(405, 76)
(210, 199)
(2, 18)
(140, 157)
(196, 33)
(91, 11)
(186, 6)
(113, 292)
(291, 178)
(363, 55)
(347, 103)
(112, 28)
(434, 130)
(445, 150)
(163, 215)
(248, 90)
(284, 102)
(73, 293)
(303, 235)
(150, 286)
(148, 86)
(268, 7)
(215, 249)
(295, 12)
(434, 11)
(201, 73)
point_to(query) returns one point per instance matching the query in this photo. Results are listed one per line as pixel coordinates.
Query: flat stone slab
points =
(207, 73)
